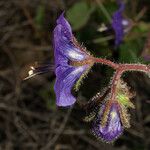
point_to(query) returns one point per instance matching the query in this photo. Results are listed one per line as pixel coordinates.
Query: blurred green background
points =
(29, 118)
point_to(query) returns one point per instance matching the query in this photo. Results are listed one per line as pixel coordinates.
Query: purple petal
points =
(117, 24)
(65, 78)
(65, 52)
(65, 25)
(60, 45)
(113, 128)
(64, 47)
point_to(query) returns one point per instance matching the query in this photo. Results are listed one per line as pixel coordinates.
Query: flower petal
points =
(113, 128)
(66, 26)
(63, 45)
(117, 24)
(66, 51)
(65, 79)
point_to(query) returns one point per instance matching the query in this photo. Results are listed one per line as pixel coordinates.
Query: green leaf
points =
(129, 51)
(110, 7)
(39, 18)
(143, 27)
(79, 14)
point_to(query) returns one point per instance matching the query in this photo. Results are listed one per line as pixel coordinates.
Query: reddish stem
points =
(106, 62)
(135, 67)
(120, 69)
(123, 67)
(114, 83)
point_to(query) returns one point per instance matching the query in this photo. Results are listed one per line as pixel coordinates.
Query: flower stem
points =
(120, 69)
(114, 83)
(123, 67)
(106, 62)
(135, 67)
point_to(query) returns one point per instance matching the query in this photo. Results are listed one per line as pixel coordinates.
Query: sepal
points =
(123, 94)
(82, 77)
(92, 108)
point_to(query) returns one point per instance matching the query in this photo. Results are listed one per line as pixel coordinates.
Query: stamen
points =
(30, 73)
(38, 70)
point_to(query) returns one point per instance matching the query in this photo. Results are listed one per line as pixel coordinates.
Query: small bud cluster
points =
(110, 116)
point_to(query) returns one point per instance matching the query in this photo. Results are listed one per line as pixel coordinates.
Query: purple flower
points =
(118, 23)
(70, 62)
(113, 128)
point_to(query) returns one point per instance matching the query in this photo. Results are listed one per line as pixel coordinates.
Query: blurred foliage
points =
(40, 16)
(129, 51)
(79, 14)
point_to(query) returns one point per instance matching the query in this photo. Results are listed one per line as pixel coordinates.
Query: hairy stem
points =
(123, 67)
(120, 69)
(106, 62)
(114, 83)
(134, 67)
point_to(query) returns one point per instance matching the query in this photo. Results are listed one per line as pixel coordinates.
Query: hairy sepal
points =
(82, 77)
